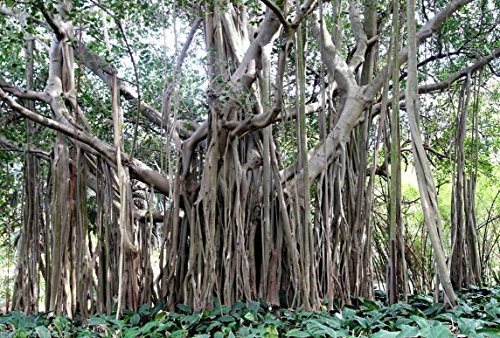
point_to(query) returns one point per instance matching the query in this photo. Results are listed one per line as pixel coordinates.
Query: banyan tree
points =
(199, 151)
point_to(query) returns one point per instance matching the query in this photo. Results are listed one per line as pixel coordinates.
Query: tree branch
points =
(140, 170)
(24, 93)
(433, 87)
(277, 11)
(422, 34)
(360, 35)
(104, 70)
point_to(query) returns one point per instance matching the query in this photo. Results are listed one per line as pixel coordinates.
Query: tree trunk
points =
(425, 180)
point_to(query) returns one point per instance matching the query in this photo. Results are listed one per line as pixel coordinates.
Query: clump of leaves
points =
(477, 315)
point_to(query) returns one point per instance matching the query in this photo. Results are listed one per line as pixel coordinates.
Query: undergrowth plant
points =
(477, 315)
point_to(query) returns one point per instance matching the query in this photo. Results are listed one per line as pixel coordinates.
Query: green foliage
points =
(477, 315)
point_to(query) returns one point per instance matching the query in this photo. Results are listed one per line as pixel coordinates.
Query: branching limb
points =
(335, 64)
(104, 71)
(140, 170)
(302, 12)
(277, 11)
(423, 33)
(264, 119)
(169, 89)
(55, 22)
(360, 35)
(24, 93)
(7, 145)
(358, 97)
(433, 87)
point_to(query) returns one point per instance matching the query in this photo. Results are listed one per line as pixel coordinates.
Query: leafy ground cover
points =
(477, 315)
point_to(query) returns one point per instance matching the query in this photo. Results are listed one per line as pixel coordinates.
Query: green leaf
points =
(178, 333)
(97, 321)
(165, 327)
(43, 332)
(490, 331)
(135, 319)
(440, 331)
(385, 334)
(132, 333)
(348, 313)
(468, 326)
(271, 331)
(61, 322)
(318, 329)
(298, 333)
(435, 309)
(184, 308)
(400, 322)
(226, 319)
(407, 331)
(492, 308)
(213, 325)
(422, 322)
(249, 316)
(144, 310)
(156, 309)
(147, 328)
(238, 307)
(369, 304)
(362, 322)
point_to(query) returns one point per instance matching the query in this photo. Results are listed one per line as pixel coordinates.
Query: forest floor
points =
(477, 315)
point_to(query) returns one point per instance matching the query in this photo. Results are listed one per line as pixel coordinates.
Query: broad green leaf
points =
(407, 331)
(226, 319)
(298, 333)
(42, 332)
(271, 331)
(385, 334)
(238, 307)
(213, 325)
(468, 326)
(318, 329)
(332, 322)
(132, 333)
(165, 327)
(184, 308)
(492, 308)
(400, 322)
(436, 308)
(490, 331)
(249, 316)
(156, 309)
(369, 304)
(440, 331)
(135, 319)
(97, 321)
(178, 334)
(144, 310)
(348, 313)
(362, 321)
(422, 322)
(148, 326)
